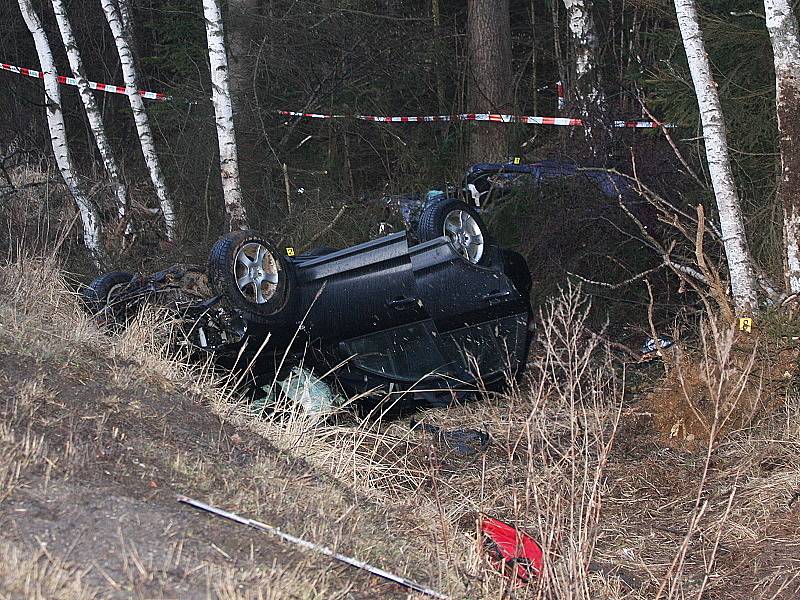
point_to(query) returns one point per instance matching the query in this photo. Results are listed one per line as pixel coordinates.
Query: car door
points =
(359, 290)
(480, 316)
(455, 292)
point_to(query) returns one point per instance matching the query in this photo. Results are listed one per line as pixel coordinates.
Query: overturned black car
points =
(446, 312)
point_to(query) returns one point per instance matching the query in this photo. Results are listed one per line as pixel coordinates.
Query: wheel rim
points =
(256, 272)
(465, 234)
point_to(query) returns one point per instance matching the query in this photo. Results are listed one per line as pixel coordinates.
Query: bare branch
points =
(616, 286)
(325, 229)
(672, 144)
(747, 13)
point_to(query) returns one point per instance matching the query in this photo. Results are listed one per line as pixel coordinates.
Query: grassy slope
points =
(96, 440)
(99, 434)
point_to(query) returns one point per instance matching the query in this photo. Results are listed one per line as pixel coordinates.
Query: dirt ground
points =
(94, 450)
(100, 494)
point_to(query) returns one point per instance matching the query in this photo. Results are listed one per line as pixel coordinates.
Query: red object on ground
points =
(513, 552)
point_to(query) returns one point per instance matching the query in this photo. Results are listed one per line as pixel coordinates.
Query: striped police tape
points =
(103, 87)
(487, 117)
(484, 117)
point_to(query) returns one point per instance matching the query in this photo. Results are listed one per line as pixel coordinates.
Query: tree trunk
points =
(245, 43)
(586, 81)
(558, 53)
(783, 33)
(534, 60)
(223, 110)
(436, 15)
(740, 262)
(240, 37)
(127, 18)
(585, 47)
(489, 39)
(58, 133)
(139, 114)
(90, 105)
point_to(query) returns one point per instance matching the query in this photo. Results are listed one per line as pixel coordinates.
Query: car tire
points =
(460, 223)
(100, 291)
(250, 274)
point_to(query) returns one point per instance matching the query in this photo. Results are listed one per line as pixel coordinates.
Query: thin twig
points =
(325, 229)
(747, 13)
(615, 286)
(288, 190)
(672, 144)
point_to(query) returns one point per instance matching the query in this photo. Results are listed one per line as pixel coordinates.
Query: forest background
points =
(298, 176)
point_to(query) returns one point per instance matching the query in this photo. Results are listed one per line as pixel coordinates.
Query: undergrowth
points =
(573, 460)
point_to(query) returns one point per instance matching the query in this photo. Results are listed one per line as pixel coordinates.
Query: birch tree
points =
(586, 84)
(740, 262)
(783, 33)
(489, 40)
(90, 106)
(131, 78)
(586, 47)
(223, 111)
(127, 20)
(58, 133)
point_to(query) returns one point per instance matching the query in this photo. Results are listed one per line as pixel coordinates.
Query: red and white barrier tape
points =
(491, 117)
(103, 87)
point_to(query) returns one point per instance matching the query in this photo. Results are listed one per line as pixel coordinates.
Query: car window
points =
(408, 352)
(486, 348)
(413, 352)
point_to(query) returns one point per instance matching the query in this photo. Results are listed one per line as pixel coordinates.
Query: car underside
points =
(445, 315)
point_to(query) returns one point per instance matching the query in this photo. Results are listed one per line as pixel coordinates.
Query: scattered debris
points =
(324, 550)
(651, 346)
(299, 389)
(463, 441)
(512, 552)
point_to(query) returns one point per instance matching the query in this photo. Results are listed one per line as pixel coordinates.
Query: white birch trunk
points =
(90, 105)
(130, 76)
(58, 133)
(740, 262)
(785, 38)
(586, 46)
(127, 19)
(223, 110)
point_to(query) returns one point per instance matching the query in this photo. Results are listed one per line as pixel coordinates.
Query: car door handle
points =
(402, 303)
(496, 296)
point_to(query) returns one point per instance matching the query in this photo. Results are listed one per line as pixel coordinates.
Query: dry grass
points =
(273, 582)
(545, 469)
(572, 460)
(37, 575)
(19, 452)
(49, 326)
